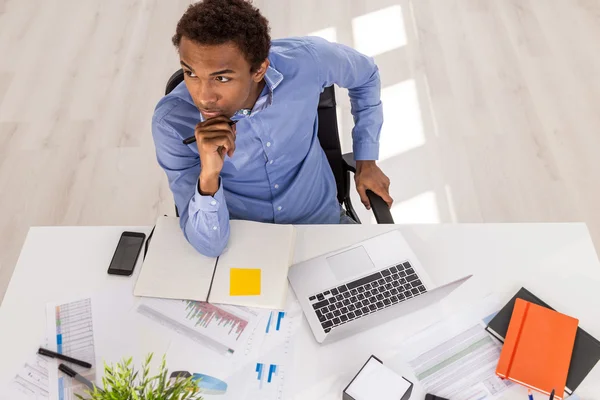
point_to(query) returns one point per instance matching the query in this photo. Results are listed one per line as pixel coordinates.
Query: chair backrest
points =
(327, 133)
(330, 141)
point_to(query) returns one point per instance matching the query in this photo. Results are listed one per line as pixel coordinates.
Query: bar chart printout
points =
(268, 382)
(209, 316)
(275, 321)
(218, 327)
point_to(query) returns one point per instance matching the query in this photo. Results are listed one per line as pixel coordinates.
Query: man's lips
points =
(210, 114)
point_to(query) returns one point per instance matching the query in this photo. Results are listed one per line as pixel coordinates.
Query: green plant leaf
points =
(122, 381)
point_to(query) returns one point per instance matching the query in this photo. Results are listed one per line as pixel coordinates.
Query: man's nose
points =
(206, 97)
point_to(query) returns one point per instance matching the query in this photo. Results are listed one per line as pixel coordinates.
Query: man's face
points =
(218, 77)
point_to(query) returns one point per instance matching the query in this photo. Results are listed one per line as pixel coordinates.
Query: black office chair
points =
(341, 165)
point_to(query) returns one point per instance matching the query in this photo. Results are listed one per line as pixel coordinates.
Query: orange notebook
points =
(538, 347)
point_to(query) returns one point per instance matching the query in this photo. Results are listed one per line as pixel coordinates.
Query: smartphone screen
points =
(127, 253)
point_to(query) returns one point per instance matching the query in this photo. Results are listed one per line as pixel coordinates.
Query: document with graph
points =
(251, 271)
(269, 355)
(238, 352)
(221, 328)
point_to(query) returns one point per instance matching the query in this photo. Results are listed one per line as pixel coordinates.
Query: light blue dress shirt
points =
(279, 173)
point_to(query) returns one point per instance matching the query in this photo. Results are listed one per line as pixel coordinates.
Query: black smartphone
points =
(126, 253)
(429, 396)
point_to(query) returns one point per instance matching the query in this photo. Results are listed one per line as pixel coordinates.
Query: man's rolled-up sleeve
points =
(203, 219)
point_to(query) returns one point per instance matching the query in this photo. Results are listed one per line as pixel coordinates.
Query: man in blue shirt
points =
(269, 166)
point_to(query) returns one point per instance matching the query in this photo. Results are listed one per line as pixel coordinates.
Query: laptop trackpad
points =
(351, 263)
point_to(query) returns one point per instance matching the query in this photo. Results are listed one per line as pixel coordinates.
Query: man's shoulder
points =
(175, 115)
(295, 56)
(299, 45)
(174, 106)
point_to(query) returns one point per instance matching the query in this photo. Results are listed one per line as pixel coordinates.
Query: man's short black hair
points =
(213, 22)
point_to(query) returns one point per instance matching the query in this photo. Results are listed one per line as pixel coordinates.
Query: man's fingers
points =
(221, 140)
(213, 121)
(216, 124)
(217, 133)
(223, 151)
(220, 126)
(205, 135)
(383, 192)
(388, 199)
(225, 141)
(362, 192)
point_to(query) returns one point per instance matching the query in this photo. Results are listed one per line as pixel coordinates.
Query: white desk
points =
(555, 261)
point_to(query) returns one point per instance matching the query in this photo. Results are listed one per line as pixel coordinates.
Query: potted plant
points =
(123, 382)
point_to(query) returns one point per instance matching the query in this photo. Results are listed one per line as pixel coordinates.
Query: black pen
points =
(192, 139)
(73, 374)
(49, 353)
(552, 395)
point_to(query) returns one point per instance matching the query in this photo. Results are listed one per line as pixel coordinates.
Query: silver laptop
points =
(362, 286)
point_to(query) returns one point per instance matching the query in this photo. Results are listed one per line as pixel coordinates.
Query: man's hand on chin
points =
(369, 177)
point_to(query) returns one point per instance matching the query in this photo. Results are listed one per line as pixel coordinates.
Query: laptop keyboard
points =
(366, 295)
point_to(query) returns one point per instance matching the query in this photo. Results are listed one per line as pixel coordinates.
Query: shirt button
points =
(214, 228)
(213, 203)
(271, 162)
(276, 186)
(279, 208)
(268, 144)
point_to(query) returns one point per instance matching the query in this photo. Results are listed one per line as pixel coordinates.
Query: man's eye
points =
(223, 79)
(190, 74)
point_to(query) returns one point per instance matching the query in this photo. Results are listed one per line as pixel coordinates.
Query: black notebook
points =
(586, 351)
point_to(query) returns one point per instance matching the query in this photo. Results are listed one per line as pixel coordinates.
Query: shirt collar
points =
(273, 78)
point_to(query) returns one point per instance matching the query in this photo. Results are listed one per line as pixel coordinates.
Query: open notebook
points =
(174, 269)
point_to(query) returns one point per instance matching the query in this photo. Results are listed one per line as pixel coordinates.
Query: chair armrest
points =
(380, 209)
(350, 163)
(382, 212)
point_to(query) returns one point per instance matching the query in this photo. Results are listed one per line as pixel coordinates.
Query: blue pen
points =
(529, 394)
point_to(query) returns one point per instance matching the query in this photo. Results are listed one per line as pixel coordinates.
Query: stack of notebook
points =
(543, 349)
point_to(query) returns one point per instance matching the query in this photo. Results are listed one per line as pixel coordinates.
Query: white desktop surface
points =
(557, 262)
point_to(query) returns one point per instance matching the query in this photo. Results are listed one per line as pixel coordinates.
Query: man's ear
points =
(259, 74)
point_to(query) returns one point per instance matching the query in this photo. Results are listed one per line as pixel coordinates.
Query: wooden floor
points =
(491, 107)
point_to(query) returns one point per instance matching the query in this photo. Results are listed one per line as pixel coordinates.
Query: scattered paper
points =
(31, 383)
(244, 282)
(70, 331)
(260, 367)
(218, 327)
(268, 357)
(456, 358)
(253, 362)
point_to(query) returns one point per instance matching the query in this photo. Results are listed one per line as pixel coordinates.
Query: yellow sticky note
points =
(244, 282)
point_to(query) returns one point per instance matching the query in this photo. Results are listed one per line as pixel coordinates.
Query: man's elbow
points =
(214, 250)
(208, 246)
